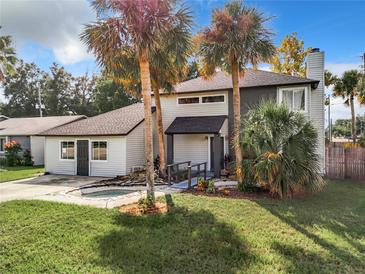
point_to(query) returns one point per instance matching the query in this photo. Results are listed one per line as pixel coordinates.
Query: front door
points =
(212, 153)
(83, 157)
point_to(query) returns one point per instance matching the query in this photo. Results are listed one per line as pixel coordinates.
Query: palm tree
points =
(236, 37)
(283, 154)
(347, 87)
(168, 66)
(129, 26)
(329, 78)
(7, 57)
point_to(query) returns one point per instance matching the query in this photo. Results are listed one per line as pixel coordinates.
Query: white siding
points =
(315, 70)
(113, 166)
(135, 147)
(171, 110)
(53, 164)
(191, 147)
(37, 144)
(116, 158)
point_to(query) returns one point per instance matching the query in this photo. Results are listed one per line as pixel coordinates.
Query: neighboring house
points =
(25, 130)
(197, 120)
(109, 144)
(3, 117)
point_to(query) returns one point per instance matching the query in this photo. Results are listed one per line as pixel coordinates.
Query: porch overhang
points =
(196, 125)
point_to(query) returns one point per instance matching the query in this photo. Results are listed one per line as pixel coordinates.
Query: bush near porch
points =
(323, 233)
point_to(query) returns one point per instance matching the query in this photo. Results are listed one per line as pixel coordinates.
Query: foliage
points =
(202, 184)
(21, 91)
(361, 140)
(27, 158)
(318, 234)
(145, 204)
(211, 187)
(109, 96)
(284, 146)
(290, 56)
(342, 127)
(12, 150)
(347, 88)
(361, 89)
(7, 57)
(237, 33)
(192, 71)
(329, 78)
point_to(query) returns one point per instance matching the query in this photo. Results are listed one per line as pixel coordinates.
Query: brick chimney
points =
(315, 71)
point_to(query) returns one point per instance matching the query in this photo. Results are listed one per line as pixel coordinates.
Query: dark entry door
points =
(221, 143)
(83, 157)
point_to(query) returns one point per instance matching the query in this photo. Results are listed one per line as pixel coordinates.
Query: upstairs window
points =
(99, 151)
(213, 99)
(188, 100)
(294, 98)
(67, 150)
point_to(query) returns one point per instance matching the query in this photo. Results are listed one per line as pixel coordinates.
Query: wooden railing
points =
(191, 171)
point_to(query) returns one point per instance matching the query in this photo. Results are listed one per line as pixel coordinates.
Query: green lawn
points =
(321, 234)
(16, 173)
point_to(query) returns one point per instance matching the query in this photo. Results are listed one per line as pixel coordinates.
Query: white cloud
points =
(52, 24)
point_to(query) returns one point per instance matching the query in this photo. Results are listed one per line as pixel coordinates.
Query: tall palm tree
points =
(236, 36)
(138, 27)
(168, 66)
(7, 57)
(347, 88)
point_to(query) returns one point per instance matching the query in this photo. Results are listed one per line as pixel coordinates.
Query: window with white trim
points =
(296, 99)
(99, 150)
(188, 100)
(67, 150)
(2, 144)
(213, 99)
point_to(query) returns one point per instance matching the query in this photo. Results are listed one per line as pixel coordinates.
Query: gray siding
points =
(135, 148)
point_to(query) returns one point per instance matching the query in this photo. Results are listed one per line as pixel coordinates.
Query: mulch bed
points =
(135, 210)
(233, 193)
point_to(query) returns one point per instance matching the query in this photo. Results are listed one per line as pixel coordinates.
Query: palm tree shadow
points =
(181, 241)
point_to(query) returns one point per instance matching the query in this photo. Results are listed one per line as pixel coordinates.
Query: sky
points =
(47, 31)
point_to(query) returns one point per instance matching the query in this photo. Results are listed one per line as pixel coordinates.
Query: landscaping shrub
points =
(282, 146)
(145, 203)
(12, 150)
(3, 162)
(27, 158)
(361, 140)
(211, 187)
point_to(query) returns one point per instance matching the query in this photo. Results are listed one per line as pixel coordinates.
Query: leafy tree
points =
(109, 96)
(237, 33)
(290, 56)
(21, 91)
(283, 149)
(7, 57)
(192, 71)
(58, 89)
(361, 89)
(82, 95)
(140, 26)
(347, 88)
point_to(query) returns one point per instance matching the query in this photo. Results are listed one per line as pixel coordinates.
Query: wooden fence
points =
(344, 163)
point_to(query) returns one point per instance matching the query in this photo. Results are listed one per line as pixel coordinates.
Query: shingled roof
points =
(34, 125)
(116, 122)
(196, 125)
(252, 78)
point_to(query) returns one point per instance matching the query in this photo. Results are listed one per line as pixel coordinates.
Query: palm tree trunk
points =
(236, 114)
(353, 122)
(161, 141)
(148, 139)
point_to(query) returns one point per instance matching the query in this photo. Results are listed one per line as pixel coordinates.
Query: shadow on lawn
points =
(179, 242)
(340, 215)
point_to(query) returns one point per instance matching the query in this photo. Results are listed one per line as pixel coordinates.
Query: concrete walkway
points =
(57, 188)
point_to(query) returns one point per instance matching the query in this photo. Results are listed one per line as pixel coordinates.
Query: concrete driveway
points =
(43, 186)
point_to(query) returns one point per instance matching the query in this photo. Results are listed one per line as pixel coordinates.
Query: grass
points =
(22, 172)
(324, 233)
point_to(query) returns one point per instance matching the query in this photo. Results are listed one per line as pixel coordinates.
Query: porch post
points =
(217, 155)
(170, 149)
